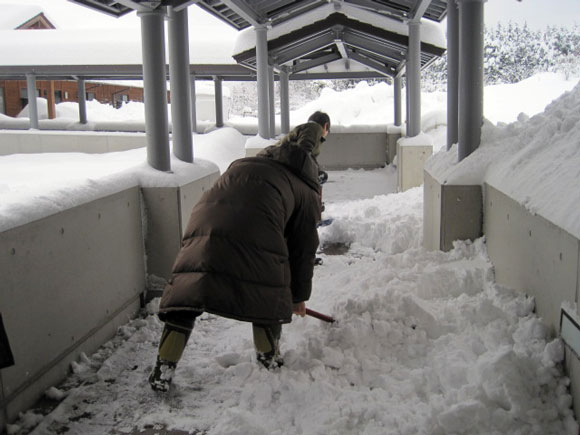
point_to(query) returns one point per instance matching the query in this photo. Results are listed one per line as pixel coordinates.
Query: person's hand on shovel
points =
(299, 308)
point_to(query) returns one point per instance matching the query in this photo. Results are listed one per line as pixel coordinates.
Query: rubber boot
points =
(267, 344)
(173, 341)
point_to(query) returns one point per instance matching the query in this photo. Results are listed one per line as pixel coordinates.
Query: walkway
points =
(425, 343)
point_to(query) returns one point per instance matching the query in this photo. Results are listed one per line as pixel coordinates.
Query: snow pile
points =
(425, 343)
(534, 160)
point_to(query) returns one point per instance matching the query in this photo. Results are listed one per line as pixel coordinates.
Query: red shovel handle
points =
(320, 316)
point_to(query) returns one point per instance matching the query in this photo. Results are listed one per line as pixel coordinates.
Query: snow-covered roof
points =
(431, 33)
(341, 38)
(246, 13)
(97, 47)
(14, 15)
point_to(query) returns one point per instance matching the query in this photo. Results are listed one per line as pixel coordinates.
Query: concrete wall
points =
(392, 139)
(68, 281)
(531, 254)
(450, 212)
(34, 141)
(349, 150)
(354, 150)
(410, 163)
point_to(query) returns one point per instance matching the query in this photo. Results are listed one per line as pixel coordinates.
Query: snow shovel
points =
(320, 316)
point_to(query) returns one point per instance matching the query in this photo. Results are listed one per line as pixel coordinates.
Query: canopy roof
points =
(308, 38)
(242, 14)
(245, 13)
(337, 37)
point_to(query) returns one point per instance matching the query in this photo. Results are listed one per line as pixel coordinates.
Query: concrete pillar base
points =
(392, 139)
(450, 212)
(167, 212)
(410, 163)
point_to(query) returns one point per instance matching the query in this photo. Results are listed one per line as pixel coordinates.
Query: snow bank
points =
(535, 160)
(33, 186)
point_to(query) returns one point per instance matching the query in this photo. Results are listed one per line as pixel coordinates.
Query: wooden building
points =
(14, 93)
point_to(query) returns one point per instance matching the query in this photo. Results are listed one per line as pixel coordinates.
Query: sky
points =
(537, 13)
(425, 343)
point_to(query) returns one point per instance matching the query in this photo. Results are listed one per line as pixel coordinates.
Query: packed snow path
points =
(425, 343)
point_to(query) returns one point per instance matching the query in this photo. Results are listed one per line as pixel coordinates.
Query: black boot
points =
(160, 377)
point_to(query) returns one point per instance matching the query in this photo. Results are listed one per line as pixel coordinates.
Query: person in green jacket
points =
(248, 250)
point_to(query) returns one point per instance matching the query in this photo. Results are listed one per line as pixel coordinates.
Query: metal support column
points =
(414, 79)
(193, 103)
(178, 35)
(271, 102)
(397, 98)
(470, 76)
(82, 98)
(219, 102)
(262, 81)
(452, 72)
(32, 103)
(155, 89)
(284, 102)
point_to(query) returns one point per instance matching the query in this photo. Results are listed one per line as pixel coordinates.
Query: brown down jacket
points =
(249, 247)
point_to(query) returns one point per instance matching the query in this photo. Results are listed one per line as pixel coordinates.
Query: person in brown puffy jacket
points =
(248, 250)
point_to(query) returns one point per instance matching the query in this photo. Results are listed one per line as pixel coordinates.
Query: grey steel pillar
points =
(155, 89)
(178, 34)
(284, 102)
(262, 81)
(397, 98)
(271, 102)
(452, 73)
(219, 102)
(193, 102)
(32, 104)
(414, 79)
(82, 97)
(470, 76)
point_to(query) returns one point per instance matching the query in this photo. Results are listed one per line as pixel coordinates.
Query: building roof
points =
(94, 54)
(18, 16)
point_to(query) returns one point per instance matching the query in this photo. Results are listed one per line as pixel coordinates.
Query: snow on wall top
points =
(431, 33)
(103, 47)
(534, 160)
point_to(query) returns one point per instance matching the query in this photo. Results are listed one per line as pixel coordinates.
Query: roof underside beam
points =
(300, 50)
(112, 8)
(313, 63)
(179, 5)
(419, 10)
(143, 5)
(391, 11)
(391, 51)
(371, 63)
(243, 10)
(293, 10)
